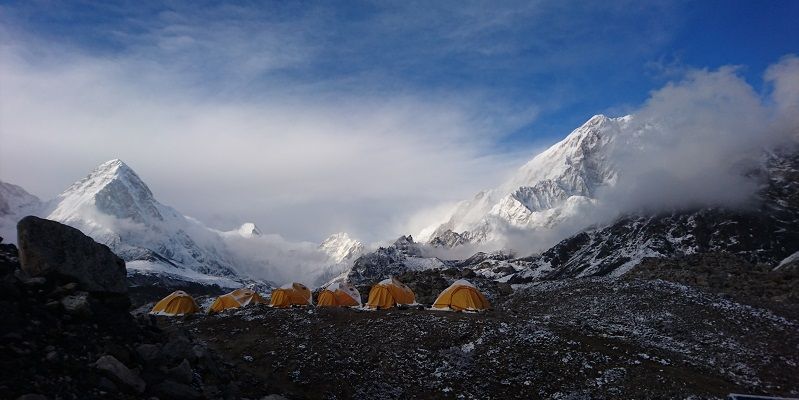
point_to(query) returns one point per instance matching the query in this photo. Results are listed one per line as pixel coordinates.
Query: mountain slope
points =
(15, 203)
(115, 207)
(766, 233)
(556, 185)
(401, 256)
(340, 247)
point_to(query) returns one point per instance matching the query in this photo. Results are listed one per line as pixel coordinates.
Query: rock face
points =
(62, 342)
(47, 247)
(120, 373)
(767, 232)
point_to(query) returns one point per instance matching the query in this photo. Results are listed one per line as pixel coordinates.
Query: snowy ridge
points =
(556, 185)
(15, 203)
(340, 247)
(768, 234)
(402, 256)
(115, 207)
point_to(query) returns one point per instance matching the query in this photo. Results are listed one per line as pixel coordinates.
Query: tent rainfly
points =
(461, 295)
(388, 293)
(176, 304)
(235, 299)
(339, 294)
(290, 295)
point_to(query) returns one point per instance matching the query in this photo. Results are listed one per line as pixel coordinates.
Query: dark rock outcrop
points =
(65, 341)
(48, 247)
(120, 373)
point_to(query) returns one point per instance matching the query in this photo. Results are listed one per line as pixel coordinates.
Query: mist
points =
(691, 144)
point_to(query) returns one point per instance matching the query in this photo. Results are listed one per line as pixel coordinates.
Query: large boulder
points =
(119, 372)
(47, 247)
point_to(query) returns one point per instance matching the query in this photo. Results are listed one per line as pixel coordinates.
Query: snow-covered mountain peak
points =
(112, 188)
(249, 229)
(546, 189)
(340, 246)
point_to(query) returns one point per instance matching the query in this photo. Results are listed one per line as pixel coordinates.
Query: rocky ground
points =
(67, 332)
(573, 339)
(700, 326)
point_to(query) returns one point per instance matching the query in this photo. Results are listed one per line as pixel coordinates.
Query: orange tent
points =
(177, 303)
(341, 294)
(235, 299)
(223, 303)
(388, 293)
(247, 296)
(461, 295)
(290, 295)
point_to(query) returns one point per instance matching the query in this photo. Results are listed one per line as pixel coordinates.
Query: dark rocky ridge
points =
(764, 233)
(51, 248)
(62, 339)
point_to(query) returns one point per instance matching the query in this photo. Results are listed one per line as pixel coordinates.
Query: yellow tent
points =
(247, 296)
(461, 295)
(177, 303)
(290, 295)
(340, 294)
(235, 299)
(388, 293)
(222, 303)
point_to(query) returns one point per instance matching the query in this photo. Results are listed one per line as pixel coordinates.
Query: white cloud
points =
(302, 164)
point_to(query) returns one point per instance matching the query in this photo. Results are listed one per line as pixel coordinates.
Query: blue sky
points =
(570, 60)
(477, 87)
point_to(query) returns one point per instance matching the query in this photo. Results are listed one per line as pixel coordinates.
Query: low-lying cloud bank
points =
(693, 141)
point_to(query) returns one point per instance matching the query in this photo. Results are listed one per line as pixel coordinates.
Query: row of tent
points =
(459, 296)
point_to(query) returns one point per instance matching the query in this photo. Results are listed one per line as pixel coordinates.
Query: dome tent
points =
(290, 295)
(388, 293)
(235, 299)
(176, 304)
(339, 294)
(461, 295)
(222, 303)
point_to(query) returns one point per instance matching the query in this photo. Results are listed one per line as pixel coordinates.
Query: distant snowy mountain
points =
(342, 251)
(115, 207)
(15, 203)
(246, 230)
(341, 247)
(555, 186)
(401, 256)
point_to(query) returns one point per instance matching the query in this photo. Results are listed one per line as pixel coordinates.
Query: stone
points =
(504, 288)
(37, 281)
(468, 273)
(47, 247)
(148, 352)
(182, 373)
(77, 304)
(119, 372)
(106, 385)
(32, 396)
(170, 389)
(178, 348)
